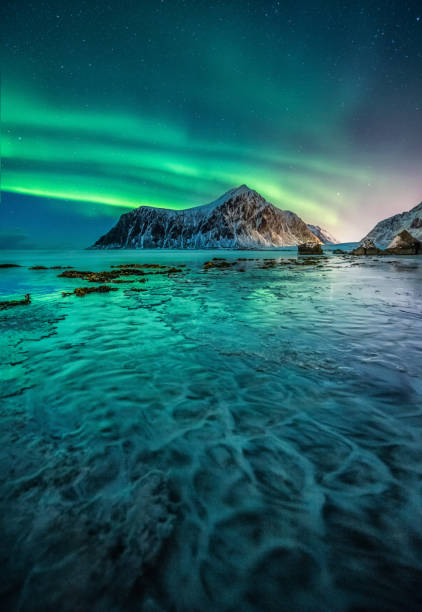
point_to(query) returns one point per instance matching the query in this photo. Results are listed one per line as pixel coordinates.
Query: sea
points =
(231, 438)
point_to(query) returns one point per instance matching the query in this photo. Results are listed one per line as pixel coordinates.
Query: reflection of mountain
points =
(240, 218)
(386, 230)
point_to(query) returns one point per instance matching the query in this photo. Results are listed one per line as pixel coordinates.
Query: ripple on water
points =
(220, 441)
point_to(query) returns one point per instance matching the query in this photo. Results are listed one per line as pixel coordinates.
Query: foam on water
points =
(221, 441)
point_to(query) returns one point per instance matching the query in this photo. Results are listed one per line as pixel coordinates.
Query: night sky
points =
(111, 105)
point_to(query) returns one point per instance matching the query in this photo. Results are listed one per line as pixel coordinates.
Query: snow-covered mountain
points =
(386, 230)
(240, 218)
(323, 234)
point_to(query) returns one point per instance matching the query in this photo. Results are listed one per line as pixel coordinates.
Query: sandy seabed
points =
(233, 438)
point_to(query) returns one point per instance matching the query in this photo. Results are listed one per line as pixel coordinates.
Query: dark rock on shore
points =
(309, 248)
(404, 244)
(367, 247)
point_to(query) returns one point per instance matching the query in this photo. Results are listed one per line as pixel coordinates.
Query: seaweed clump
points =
(49, 268)
(11, 303)
(108, 276)
(308, 261)
(135, 265)
(219, 263)
(83, 291)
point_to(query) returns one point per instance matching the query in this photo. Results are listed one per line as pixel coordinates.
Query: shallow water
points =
(224, 440)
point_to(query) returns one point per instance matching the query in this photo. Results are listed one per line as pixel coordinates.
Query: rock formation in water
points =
(404, 244)
(309, 248)
(241, 218)
(384, 232)
(367, 247)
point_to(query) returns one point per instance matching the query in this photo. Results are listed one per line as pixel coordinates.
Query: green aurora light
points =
(171, 104)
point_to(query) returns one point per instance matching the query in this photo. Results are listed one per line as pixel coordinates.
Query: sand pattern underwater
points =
(241, 437)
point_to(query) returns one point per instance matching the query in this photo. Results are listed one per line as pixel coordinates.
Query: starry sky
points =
(107, 106)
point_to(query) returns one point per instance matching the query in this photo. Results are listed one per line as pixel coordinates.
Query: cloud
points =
(15, 238)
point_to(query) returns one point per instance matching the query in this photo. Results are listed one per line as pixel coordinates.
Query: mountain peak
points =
(228, 195)
(242, 189)
(240, 218)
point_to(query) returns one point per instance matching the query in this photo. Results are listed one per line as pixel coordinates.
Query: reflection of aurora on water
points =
(217, 440)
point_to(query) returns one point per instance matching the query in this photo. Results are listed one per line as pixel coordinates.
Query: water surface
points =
(242, 439)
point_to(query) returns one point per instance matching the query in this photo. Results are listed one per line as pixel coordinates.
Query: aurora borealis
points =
(108, 106)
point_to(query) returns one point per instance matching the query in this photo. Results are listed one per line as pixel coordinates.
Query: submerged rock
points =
(404, 244)
(307, 262)
(12, 303)
(107, 276)
(9, 265)
(135, 265)
(218, 262)
(74, 274)
(83, 291)
(309, 248)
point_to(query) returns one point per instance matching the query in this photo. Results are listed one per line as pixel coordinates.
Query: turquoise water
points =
(224, 440)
